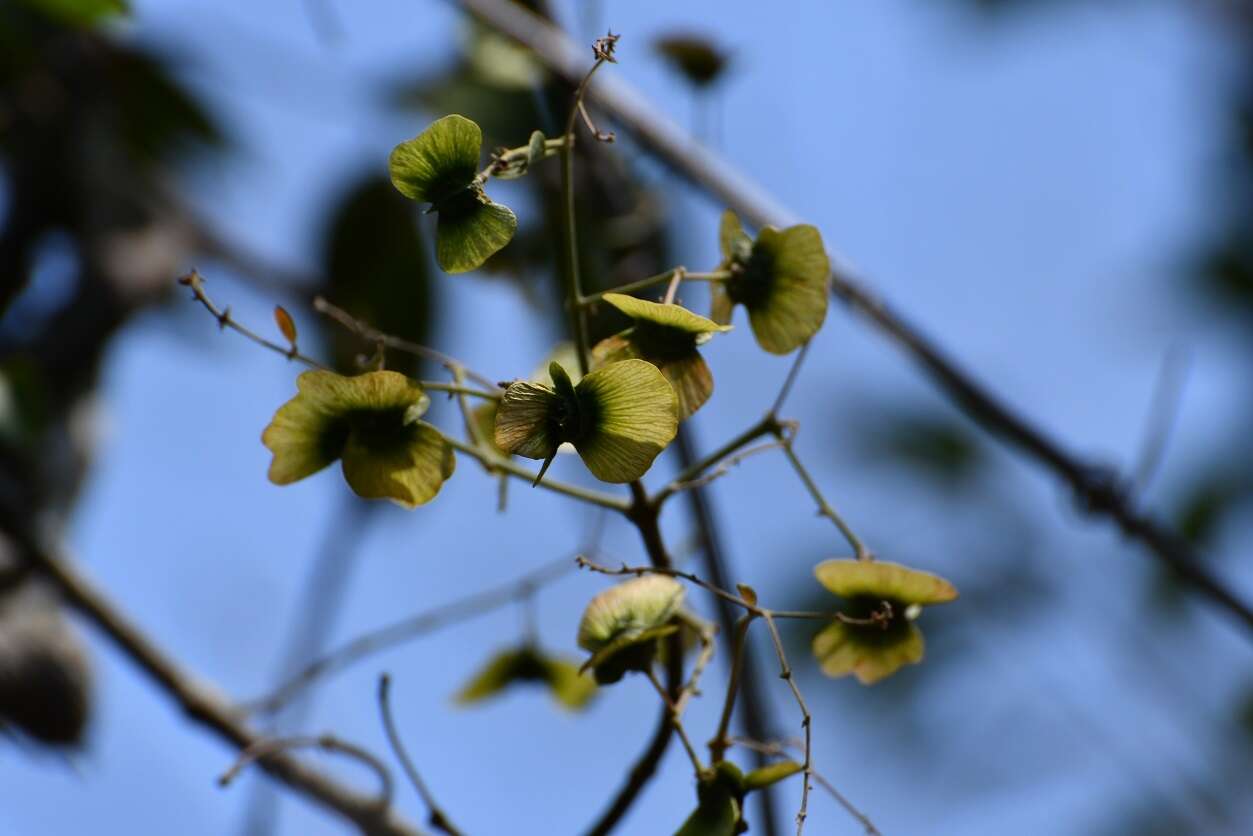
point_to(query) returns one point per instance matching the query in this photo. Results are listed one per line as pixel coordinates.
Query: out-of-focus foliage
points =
(696, 57)
(529, 665)
(91, 129)
(378, 270)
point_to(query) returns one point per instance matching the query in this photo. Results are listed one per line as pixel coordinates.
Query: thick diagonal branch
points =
(200, 703)
(1098, 490)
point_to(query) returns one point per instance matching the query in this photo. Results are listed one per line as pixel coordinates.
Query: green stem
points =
(652, 281)
(574, 292)
(502, 159)
(824, 507)
(505, 465)
(455, 389)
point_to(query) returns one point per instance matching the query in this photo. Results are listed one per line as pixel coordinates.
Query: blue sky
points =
(1023, 189)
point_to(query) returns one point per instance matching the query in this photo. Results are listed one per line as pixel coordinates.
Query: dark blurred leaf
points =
(377, 269)
(157, 119)
(696, 57)
(920, 440)
(1226, 273)
(1207, 502)
(1244, 711)
(24, 408)
(507, 117)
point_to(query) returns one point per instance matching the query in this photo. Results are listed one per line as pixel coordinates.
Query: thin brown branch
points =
(780, 749)
(201, 704)
(645, 517)
(638, 775)
(788, 382)
(767, 615)
(1098, 490)
(721, 740)
(508, 466)
(370, 334)
(676, 721)
(825, 508)
(438, 818)
(195, 282)
(785, 672)
(724, 467)
(705, 632)
(768, 425)
(755, 706)
(730, 597)
(410, 628)
(270, 746)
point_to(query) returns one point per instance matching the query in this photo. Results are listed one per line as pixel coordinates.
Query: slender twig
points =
(1098, 490)
(504, 158)
(455, 389)
(720, 742)
(788, 381)
(515, 470)
(407, 629)
(601, 136)
(438, 818)
(779, 749)
(325, 588)
(200, 703)
(641, 771)
(724, 467)
(824, 508)
(673, 287)
(785, 673)
(481, 443)
(653, 281)
(768, 425)
(767, 615)
(676, 720)
(195, 282)
(269, 746)
(669, 571)
(705, 633)
(574, 288)
(371, 334)
(1167, 395)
